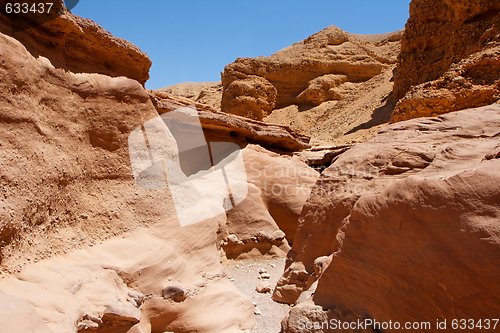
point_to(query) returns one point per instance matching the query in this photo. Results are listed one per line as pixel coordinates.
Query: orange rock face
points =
(68, 40)
(266, 221)
(450, 58)
(403, 227)
(64, 150)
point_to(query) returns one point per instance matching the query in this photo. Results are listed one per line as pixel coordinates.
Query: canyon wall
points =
(76, 44)
(450, 58)
(83, 246)
(404, 227)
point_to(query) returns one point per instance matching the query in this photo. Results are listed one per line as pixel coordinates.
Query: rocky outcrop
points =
(410, 216)
(329, 84)
(219, 126)
(306, 73)
(450, 56)
(68, 40)
(64, 154)
(76, 228)
(264, 223)
(208, 93)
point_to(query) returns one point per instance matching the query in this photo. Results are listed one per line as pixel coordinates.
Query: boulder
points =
(75, 228)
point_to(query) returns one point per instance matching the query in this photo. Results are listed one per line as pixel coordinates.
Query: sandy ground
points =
(246, 277)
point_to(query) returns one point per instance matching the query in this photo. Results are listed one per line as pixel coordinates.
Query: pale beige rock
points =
(76, 233)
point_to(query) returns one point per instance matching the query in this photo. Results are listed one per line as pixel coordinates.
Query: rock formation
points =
(318, 87)
(230, 128)
(404, 227)
(209, 93)
(401, 227)
(83, 247)
(408, 225)
(68, 40)
(265, 222)
(450, 58)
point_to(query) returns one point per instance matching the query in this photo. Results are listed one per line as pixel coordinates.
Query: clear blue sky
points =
(194, 40)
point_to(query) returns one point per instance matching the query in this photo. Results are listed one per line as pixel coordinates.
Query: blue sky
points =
(194, 40)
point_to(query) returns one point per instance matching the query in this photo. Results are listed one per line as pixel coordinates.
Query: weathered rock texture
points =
(209, 93)
(450, 58)
(219, 126)
(265, 222)
(311, 85)
(403, 227)
(77, 44)
(66, 183)
(83, 247)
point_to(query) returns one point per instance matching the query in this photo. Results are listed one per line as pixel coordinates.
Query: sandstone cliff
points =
(450, 58)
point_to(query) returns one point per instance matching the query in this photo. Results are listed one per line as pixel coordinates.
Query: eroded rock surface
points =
(219, 126)
(265, 222)
(208, 93)
(76, 229)
(332, 83)
(410, 223)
